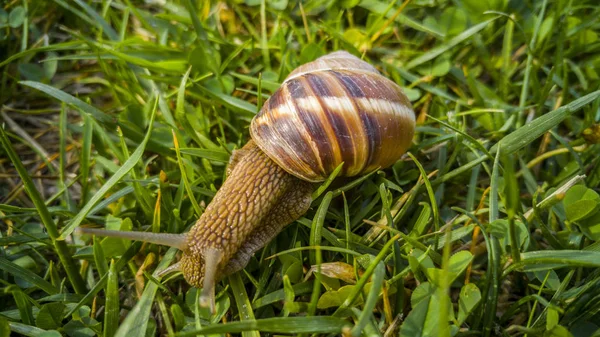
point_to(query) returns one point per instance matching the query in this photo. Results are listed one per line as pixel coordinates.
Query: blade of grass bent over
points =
(136, 322)
(531, 131)
(243, 303)
(121, 172)
(287, 325)
(26, 274)
(61, 247)
(437, 51)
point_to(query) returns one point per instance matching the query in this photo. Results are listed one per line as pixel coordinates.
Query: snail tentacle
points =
(166, 239)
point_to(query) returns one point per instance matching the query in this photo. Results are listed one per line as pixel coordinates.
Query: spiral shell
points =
(335, 109)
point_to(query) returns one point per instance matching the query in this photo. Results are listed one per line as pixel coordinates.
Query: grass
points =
(124, 113)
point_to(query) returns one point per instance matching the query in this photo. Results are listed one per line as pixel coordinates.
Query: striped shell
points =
(335, 109)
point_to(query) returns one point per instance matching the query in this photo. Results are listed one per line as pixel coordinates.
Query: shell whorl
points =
(335, 109)
(339, 60)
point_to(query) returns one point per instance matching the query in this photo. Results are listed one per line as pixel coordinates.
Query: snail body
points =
(336, 109)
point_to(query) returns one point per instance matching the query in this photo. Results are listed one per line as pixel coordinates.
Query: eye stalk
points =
(164, 239)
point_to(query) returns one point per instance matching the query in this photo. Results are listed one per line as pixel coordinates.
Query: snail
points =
(336, 109)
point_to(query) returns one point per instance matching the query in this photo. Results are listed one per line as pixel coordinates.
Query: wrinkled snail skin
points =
(253, 205)
(336, 109)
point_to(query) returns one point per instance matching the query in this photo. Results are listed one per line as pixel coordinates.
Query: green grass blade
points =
(86, 150)
(217, 155)
(558, 259)
(243, 304)
(110, 183)
(70, 100)
(317, 225)
(25, 274)
(528, 67)
(526, 134)
(367, 311)
(99, 20)
(61, 247)
(134, 325)
(437, 51)
(356, 290)
(285, 325)
(111, 308)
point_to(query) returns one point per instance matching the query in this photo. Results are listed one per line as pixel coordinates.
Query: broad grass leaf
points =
(558, 331)
(424, 319)
(529, 132)
(591, 226)
(551, 318)
(422, 292)
(552, 280)
(500, 229)
(366, 315)
(98, 20)
(286, 325)
(458, 263)
(232, 102)
(77, 328)
(580, 202)
(441, 49)
(113, 247)
(453, 21)
(337, 270)
(271, 86)
(50, 316)
(469, 298)
(310, 52)
(335, 298)
(4, 327)
(136, 322)
(25, 274)
(16, 16)
(178, 316)
(422, 221)
(279, 295)
(3, 18)
(33, 72)
(218, 155)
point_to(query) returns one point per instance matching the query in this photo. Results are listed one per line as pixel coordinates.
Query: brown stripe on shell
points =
(325, 113)
(296, 88)
(308, 119)
(379, 87)
(339, 141)
(342, 113)
(314, 108)
(274, 101)
(397, 133)
(275, 130)
(370, 126)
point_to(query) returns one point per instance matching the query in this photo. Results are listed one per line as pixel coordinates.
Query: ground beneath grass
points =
(122, 114)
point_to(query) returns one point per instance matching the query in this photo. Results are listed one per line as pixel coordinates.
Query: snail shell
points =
(335, 109)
